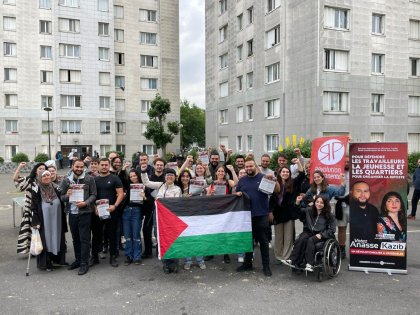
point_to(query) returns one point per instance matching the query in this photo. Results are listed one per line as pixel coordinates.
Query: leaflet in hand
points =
(203, 156)
(196, 186)
(267, 186)
(173, 165)
(219, 188)
(136, 192)
(76, 193)
(103, 205)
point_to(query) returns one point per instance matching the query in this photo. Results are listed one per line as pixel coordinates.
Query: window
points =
(250, 80)
(224, 140)
(69, 25)
(249, 112)
(222, 6)
(147, 15)
(46, 101)
(336, 102)
(148, 61)
(70, 101)
(145, 106)
(222, 33)
(223, 61)
(104, 102)
(148, 38)
(103, 53)
(239, 50)
(223, 89)
(9, 23)
(46, 77)
(413, 142)
(239, 143)
(103, 29)
(415, 29)
(119, 35)
(378, 63)
(415, 67)
(11, 2)
(45, 27)
(250, 45)
(143, 128)
(240, 22)
(377, 103)
(11, 126)
(70, 76)
(119, 59)
(272, 37)
(378, 23)
(69, 3)
(377, 137)
(250, 13)
(119, 105)
(148, 84)
(336, 60)
(271, 142)
(272, 4)
(240, 114)
(104, 149)
(118, 12)
(120, 82)
(105, 127)
(272, 109)
(69, 51)
(11, 151)
(249, 143)
(71, 126)
(10, 75)
(272, 72)
(44, 126)
(103, 5)
(149, 149)
(239, 84)
(414, 105)
(120, 128)
(46, 52)
(104, 78)
(9, 49)
(337, 18)
(10, 100)
(45, 4)
(120, 148)
(223, 116)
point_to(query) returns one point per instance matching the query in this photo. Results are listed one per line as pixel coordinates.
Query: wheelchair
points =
(327, 260)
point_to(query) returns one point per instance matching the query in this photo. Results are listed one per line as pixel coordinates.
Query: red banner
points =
(329, 156)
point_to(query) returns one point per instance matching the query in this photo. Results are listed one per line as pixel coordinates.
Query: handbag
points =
(36, 243)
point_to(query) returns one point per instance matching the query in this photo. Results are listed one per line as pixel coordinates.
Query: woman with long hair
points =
(320, 186)
(392, 224)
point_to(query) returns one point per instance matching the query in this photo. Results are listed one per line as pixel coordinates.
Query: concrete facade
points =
(118, 122)
(325, 50)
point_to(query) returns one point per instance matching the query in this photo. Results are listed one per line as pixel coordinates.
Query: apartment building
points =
(312, 68)
(96, 64)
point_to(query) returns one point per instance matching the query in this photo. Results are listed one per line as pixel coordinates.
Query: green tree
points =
(159, 108)
(193, 120)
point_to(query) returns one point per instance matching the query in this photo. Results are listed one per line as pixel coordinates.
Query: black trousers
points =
(147, 230)
(80, 232)
(304, 248)
(260, 228)
(110, 230)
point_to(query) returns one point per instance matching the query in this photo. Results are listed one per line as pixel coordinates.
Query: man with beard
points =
(260, 215)
(363, 215)
(144, 160)
(214, 163)
(80, 213)
(265, 163)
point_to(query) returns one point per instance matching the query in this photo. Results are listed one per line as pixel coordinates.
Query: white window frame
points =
(103, 5)
(46, 52)
(272, 109)
(11, 151)
(240, 83)
(250, 15)
(223, 61)
(249, 143)
(145, 105)
(69, 3)
(239, 144)
(149, 83)
(10, 100)
(120, 82)
(105, 127)
(149, 149)
(147, 15)
(45, 27)
(413, 105)
(240, 52)
(223, 33)
(10, 75)
(336, 102)
(9, 23)
(11, 126)
(336, 18)
(378, 64)
(223, 117)
(71, 126)
(377, 104)
(377, 137)
(272, 37)
(45, 4)
(147, 38)
(272, 73)
(336, 60)
(9, 2)
(69, 50)
(103, 53)
(250, 80)
(70, 76)
(249, 112)
(104, 78)
(414, 67)
(413, 140)
(118, 35)
(222, 6)
(120, 127)
(69, 25)
(223, 89)
(46, 101)
(148, 61)
(272, 5)
(104, 102)
(240, 22)
(250, 47)
(70, 101)
(103, 29)
(414, 29)
(46, 77)
(118, 12)
(271, 142)
(378, 24)
(119, 58)
(9, 49)
(239, 114)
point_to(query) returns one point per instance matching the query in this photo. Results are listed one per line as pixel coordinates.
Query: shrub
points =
(41, 158)
(305, 148)
(1, 160)
(412, 161)
(20, 157)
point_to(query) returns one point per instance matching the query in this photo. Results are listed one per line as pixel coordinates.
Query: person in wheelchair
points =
(318, 225)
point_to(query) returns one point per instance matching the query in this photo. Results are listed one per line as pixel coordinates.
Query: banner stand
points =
(388, 271)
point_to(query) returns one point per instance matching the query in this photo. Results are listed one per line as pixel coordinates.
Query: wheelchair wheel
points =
(332, 258)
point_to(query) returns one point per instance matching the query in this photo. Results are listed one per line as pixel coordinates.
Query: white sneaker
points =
(202, 265)
(287, 262)
(309, 268)
(240, 259)
(187, 266)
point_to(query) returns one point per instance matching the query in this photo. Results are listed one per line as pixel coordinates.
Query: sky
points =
(192, 48)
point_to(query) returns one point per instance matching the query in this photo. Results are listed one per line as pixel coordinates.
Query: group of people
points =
(108, 183)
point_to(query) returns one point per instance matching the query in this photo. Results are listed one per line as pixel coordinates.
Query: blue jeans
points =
(132, 224)
(200, 259)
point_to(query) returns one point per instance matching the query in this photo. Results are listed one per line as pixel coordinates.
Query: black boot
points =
(267, 271)
(343, 251)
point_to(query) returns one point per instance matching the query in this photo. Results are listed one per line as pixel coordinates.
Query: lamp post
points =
(48, 109)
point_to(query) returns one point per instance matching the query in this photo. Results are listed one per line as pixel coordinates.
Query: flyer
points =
(103, 205)
(219, 188)
(267, 186)
(136, 192)
(77, 193)
(196, 186)
(204, 158)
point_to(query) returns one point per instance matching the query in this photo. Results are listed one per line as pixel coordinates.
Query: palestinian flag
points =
(203, 226)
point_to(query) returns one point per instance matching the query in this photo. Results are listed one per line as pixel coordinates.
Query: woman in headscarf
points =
(48, 217)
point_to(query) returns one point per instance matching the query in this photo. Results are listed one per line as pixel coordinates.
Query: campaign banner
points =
(329, 156)
(378, 207)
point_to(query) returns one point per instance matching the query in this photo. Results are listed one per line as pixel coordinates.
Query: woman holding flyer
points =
(392, 224)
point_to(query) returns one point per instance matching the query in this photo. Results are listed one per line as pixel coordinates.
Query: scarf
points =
(48, 193)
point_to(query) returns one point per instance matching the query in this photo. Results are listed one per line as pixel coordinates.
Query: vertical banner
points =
(329, 156)
(378, 207)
